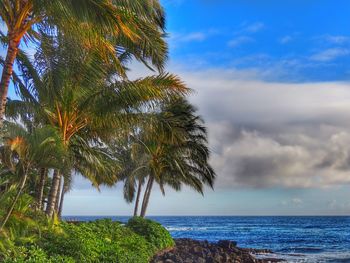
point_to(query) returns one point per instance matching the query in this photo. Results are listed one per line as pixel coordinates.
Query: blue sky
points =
(271, 80)
(301, 40)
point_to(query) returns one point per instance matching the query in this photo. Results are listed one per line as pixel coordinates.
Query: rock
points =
(194, 251)
(227, 243)
(218, 258)
(225, 257)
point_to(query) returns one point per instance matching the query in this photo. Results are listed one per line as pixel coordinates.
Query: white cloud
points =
(297, 201)
(194, 36)
(240, 41)
(330, 54)
(268, 134)
(197, 36)
(285, 39)
(255, 27)
(336, 39)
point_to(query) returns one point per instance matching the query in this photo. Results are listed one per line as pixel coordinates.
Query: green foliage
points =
(22, 227)
(100, 241)
(34, 254)
(152, 231)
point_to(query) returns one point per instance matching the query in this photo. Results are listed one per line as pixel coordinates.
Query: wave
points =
(302, 250)
(187, 228)
(326, 257)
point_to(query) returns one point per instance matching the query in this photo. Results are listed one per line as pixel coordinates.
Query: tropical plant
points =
(23, 151)
(170, 149)
(130, 28)
(100, 241)
(87, 113)
(152, 231)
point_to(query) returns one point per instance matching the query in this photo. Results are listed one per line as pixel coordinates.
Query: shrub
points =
(34, 254)
(92, 242)
(100, 241)
(152, 231)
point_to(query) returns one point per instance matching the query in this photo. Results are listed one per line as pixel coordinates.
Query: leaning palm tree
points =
(171, 150)
(85, 102)
(23, 151)
(132, 173)
(127, 27)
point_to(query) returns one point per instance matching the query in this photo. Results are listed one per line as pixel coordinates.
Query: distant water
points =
(296, 239)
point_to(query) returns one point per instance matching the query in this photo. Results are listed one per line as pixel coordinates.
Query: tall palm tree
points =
(23, 151)
(86, 104)
(128, 27)
(171, 150)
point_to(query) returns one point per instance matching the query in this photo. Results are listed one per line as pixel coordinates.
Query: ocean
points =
(294, 238)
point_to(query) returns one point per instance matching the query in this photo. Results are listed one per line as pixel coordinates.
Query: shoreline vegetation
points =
(98, 241)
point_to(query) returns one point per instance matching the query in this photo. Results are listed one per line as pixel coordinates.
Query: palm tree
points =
(23, 151)
(86, 104)
(128, 28)
(171, 150)
(67, 185)
(131, 173)
(40, 189)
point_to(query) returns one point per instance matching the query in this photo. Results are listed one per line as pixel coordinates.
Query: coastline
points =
(224, 251)
(293, 238)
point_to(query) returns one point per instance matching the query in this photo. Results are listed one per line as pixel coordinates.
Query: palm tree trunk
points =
(10, 210)
(40, 190)
(52, 199)
(139, 188)
(64, 191)
(147, 196)
(59, 193)
(7, 70)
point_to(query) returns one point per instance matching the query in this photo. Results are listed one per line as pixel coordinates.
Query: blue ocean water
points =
(294, 238)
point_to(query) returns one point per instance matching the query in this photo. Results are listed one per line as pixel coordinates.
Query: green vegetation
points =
(100, 241)
(77, 112)
(152, 231)
(171, 150)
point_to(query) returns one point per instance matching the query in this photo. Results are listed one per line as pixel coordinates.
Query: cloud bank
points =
(265, 134)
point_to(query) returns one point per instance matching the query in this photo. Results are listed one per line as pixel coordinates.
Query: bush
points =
(92, 242)
(100, 241)
(35, 254)
(152, 231)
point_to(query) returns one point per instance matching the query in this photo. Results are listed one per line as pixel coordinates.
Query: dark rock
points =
(218, 258)
(196, 250)
(225, 251)
(227, 243)
(225, 257)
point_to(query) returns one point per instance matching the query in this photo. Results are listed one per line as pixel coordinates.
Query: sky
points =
(271, 79)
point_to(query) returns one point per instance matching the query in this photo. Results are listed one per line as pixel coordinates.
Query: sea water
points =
(294, 238)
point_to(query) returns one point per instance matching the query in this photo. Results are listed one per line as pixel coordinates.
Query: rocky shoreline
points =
(224, 251)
